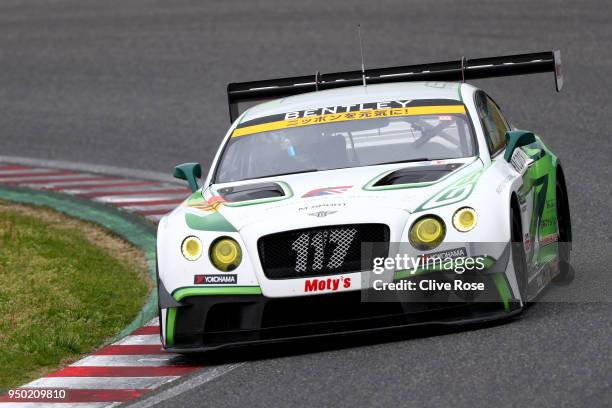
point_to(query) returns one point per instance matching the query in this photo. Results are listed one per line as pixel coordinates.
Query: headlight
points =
(225, 254)
(191, 248)
(465, 219)
(427, 232)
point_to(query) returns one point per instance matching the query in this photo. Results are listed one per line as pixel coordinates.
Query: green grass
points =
(66, 287)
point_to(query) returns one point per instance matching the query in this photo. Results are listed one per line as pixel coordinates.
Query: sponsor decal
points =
(357, 107)
(548, 222)
(450, 253)
(520, 161)
(332, 284)
(211, 205)
(323, 205)
(324, 202)
(434, 162)
(340, 113)
(523, 203)
(549, 239)
(503, 184)
(326, 191)
(225, 279)
(527, 242)
(321, 214)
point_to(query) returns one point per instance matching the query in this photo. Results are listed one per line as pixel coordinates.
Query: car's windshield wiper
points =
(291, 172)
(405, 161)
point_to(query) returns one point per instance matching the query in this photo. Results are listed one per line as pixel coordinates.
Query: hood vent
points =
(412, 175)
(249, 192)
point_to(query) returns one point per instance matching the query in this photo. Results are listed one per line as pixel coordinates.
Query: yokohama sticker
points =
(215, 279)
(449, 253)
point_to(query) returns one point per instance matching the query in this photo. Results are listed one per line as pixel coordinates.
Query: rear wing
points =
(460, 70)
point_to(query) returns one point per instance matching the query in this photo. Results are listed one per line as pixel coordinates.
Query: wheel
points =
(519, 258)
(566, 273)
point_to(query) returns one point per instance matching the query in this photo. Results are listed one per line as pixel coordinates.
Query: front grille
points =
(321, 251)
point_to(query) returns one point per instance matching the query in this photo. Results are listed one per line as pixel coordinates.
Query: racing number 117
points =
(343, 239)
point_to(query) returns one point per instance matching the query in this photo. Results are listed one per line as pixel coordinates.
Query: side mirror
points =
(190, 172)
(517, 138)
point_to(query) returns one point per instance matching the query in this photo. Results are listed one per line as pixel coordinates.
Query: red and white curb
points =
(151, 199)
(135, 364)
(114, 374)
(117, 373)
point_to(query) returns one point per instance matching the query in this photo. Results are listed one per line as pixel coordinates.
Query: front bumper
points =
(204, 323)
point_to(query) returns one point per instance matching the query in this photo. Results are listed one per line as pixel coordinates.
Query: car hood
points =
(333, 196)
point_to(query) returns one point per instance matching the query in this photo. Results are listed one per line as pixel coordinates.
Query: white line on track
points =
(100, 383)
(140, 339)
(138, 360)
(185, 386)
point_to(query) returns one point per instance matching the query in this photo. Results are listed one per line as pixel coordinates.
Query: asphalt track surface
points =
(141, 84)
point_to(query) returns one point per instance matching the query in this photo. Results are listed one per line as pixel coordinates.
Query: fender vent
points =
(411, 175)
(248, 192)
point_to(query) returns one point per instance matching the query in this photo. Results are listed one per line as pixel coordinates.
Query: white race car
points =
(325, 204)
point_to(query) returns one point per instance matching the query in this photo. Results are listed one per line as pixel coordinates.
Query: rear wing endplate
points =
(460, 70)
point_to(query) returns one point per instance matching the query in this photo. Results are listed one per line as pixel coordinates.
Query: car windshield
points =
(346, 143)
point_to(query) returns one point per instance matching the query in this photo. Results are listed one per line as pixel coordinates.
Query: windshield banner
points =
(342, 113)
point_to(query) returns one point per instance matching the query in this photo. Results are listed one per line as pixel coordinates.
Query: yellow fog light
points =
(427, 232)
(465, 219)
(191, 248)
(225, 254)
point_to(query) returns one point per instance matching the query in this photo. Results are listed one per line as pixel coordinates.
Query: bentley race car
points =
(317, 195)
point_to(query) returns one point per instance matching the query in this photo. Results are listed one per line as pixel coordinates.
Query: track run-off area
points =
(135, 364)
